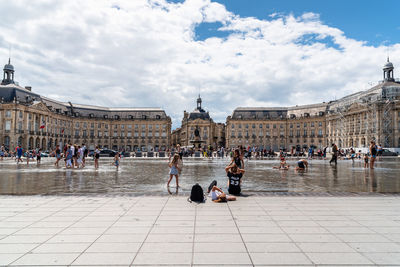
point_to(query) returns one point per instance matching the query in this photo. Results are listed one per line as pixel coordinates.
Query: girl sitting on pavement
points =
(235, 175)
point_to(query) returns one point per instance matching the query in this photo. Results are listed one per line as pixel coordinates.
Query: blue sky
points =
(162, 53)
(377, 22)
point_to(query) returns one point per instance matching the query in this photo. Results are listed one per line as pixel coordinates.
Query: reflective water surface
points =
(138, 176)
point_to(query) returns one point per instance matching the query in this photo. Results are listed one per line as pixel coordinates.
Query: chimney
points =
(29, 88)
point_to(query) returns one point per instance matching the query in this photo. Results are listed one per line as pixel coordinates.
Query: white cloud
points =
(144, 53)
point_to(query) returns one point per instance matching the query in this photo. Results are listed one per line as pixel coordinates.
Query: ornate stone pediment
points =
(41, 106)
(354, 107)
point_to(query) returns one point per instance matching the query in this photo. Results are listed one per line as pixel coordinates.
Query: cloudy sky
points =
(157, 53)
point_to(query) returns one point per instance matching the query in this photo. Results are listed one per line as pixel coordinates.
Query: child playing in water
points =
(282, 165)
(174, 171)
(366, 159)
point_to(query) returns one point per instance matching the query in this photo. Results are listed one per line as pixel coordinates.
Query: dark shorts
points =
(234, 190)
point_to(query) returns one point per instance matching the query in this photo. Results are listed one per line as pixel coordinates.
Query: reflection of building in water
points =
(351, 121)
(199, 121)
(37, 121)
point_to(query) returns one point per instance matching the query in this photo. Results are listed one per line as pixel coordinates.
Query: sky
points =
(158, 53)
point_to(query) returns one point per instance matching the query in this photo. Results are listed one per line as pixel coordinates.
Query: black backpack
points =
(196, 194)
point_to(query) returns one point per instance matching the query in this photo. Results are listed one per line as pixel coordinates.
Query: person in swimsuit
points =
(174, 171)
(366, 161)
(302, 165)
(373, 151)
(116, 160)
(282, 165)
(235, 175)
(39, 156)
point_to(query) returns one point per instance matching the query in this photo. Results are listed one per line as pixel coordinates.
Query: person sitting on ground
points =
(282, 165)
(302, 165)
(234, 174)
(217, 195)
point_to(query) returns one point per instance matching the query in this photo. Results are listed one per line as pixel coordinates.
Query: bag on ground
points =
(196, 194)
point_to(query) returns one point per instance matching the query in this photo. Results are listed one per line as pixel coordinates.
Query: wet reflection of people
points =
(370, 181)
(173, 192)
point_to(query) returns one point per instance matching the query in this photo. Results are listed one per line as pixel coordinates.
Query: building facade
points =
(351, 121)
(35, 121)
(199, 130)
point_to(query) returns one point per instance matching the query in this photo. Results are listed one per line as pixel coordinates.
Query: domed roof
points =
(8, 66)
(388, 65)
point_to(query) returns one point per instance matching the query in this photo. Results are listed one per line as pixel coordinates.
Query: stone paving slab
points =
(169, 231)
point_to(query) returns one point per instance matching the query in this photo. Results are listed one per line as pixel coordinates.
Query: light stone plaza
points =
(275, 176)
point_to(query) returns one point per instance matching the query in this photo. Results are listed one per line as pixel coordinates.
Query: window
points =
(106, 126)
(247, 126)
(99, 134)
(85, 125)
(232, 126)
(143, 134)
(320, 132)
(143, 126)
(260, 126)
(298, 125)
(8, 113)
(320, 124)
(115, 134)
(305, 124)
(157, 126)
(129, 134)
(92, 125)
(291, 133)
(260, 133)
(91, 133)
(282, 133)
(130, 126)
(8, 125)
(239, 134)
(122, 126)
(267, 134)
(232, 133)
(76, 132)
(281, 126)
(157, 134)
(305, 132)
(20, 126)
(253, 126)
(98, 125)
(106, 133)
(274, 126)
(122, 134)
(312, 133)
(30, 116)
(116, 126)
(267, 125)
(312, 124)
(136, 134)
(150, 134)
(20, 114)
(291, 125)
(164, 134)
(240, 126)
(84, 133)
(77, 125)
(150, 127)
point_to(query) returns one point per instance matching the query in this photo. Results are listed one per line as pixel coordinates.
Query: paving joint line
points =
(241, 237)
(30, 251)
(80, 254)
(151, 228)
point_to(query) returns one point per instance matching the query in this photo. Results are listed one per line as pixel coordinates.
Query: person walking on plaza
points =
(69, 158)
(373, 152)
(379, 153)
(334, 154)
(174, 171)
(57, 152)
(96, 157)
(19, 153)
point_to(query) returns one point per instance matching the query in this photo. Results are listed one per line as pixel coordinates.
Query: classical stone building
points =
(209, 132)
(35, 121)
(351, 121)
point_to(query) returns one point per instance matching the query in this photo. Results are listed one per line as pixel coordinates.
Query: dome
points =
(9, 67)
(388, 65)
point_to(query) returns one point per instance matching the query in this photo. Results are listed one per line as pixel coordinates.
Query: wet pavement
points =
(149, 176)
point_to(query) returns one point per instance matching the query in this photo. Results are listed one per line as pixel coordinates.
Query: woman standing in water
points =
(373, 151)
(174, 171)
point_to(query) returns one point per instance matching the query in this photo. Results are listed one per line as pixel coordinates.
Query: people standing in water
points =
(116, 160)
(235, 175)
(174, 171)
(366, 158)
(96, 157)
(69, 158)
(334, 154)
(373, 152)
(57, 152)
(302, 165)
(2, 152)
(85, 154)
(237, 159)
(19, 153)
(39, 156)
